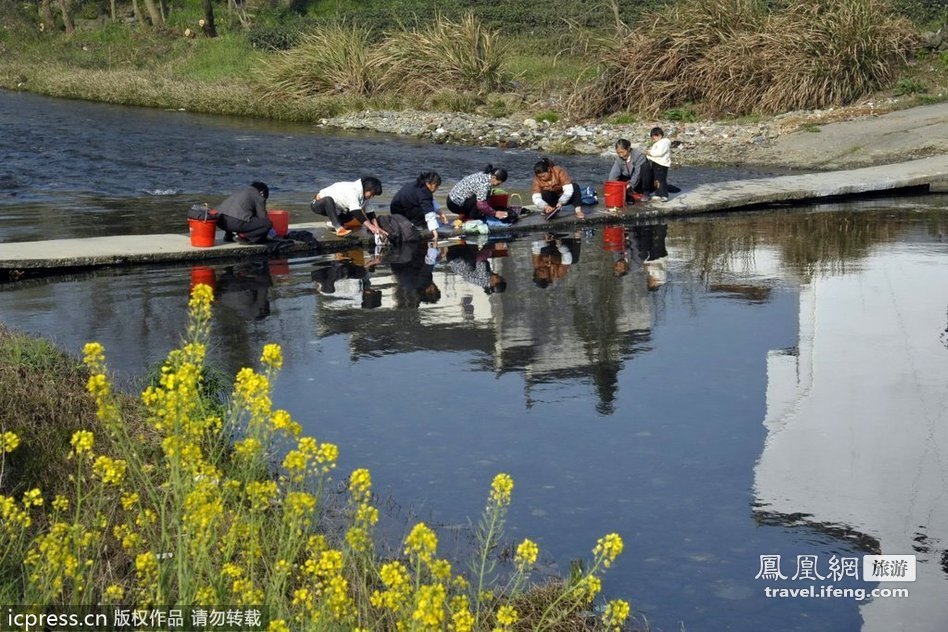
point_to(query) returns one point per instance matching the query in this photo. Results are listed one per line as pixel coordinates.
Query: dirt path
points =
(868, 140)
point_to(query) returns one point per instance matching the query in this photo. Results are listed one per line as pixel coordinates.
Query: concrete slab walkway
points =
(43, 257)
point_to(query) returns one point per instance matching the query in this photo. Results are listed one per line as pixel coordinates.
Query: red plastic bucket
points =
(203, 274)
(615, 194)
(202, 233)
(280, 220)
(613, 238)
(499, 200)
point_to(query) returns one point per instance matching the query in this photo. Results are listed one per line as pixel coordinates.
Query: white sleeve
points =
(566, 257)
(567, 194)
(538, 200)
(431, 219)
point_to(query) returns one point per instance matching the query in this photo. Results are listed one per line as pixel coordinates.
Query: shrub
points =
(444, 54)
(331, 59)
(548, 117)
(736, 56)
(268, 37)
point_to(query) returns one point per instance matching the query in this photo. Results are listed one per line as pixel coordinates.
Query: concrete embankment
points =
(46, 257)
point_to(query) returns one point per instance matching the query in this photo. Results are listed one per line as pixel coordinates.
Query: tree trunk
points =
(208, 27)
(67, 19)
(112, 8)
(161, 9)
(46, 14)
(138, 13)
(153, 14)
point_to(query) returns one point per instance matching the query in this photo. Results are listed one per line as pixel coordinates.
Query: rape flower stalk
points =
(584, 589)
(489, 532)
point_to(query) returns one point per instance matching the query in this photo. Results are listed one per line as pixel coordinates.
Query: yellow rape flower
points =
(282, 420)
(609, 547)
(8, 442)
(360, 484)
(501, 489)
(60, 503)
(248, 448)
(422, 542)
(367, 514)
(272, 356)
(440, 570)
(429, 605)
(617, 611)
(527, 552)
(82, 441)
(114, 593)
(32, 498)
(110, 471)
(129, 500)
(507, 616)
(278, 625)
(327, 455)
(462, 620)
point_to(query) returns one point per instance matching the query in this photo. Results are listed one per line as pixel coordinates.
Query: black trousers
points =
(552, 198)
(466, 211)
(254, 229)
(656, 178)
(327, 207)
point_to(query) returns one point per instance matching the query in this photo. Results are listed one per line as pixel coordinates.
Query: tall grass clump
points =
(739, 56)
(332, 59)
(463, 55)
(231, 505)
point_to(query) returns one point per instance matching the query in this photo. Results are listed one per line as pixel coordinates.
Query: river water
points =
(777, 385)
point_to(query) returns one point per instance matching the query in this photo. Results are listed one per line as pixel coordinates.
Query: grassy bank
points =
(182, 498)
(673, 61)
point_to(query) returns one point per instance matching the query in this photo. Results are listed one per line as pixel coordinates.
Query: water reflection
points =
(613, 406)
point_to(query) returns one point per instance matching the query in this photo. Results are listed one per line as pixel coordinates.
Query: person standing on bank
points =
(342, 202)
(468, 198)
(553, 190)
(659, 159)
(245, 213)
(415, 202)
(629, 166)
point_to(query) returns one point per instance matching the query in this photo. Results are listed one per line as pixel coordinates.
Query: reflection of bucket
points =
(613, 238)
(615, 194)
(203, 274)
(279, 267)
(498, 200)
(202, 233)
(280, 220)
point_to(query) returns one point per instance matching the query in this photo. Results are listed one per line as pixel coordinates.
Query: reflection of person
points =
(472, 264)
(343, 202)
(245, 213)
(244, 289)
(628, 166)
(416, 202)
(554, 190)
(347, 278)
(412, 265)
(648, 248)
(468, 198)
(552, 258)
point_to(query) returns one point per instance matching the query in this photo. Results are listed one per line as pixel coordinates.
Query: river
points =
(777, 385)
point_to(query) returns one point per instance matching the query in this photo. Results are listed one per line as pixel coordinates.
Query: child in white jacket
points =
(659, 159)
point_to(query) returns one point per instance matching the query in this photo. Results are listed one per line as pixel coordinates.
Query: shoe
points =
(661, 199)
(342, 232)
(579, 214)
(551, 214)
(229, 237)
(243, 240)
(646, 198)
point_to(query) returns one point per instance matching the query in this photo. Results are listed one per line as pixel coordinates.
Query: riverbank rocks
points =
(698, 142)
